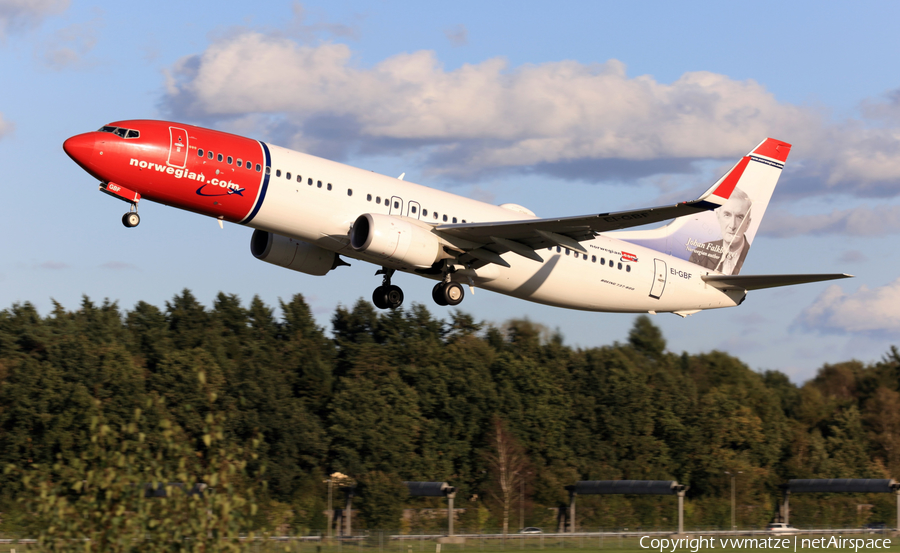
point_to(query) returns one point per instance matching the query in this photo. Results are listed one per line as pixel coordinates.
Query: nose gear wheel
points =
(131, 219)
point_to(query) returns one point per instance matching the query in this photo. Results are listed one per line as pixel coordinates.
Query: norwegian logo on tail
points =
(720, 239)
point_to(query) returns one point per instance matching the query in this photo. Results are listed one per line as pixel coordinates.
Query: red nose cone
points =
(80, 148)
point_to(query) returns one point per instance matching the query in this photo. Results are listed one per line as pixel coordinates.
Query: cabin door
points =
(178, 147)
(659, 278)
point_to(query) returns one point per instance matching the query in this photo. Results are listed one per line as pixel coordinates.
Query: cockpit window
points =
(119, 131)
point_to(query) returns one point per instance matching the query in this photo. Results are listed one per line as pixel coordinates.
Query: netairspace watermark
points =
(670, 545)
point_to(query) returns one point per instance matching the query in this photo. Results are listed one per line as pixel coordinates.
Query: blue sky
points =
(564, 107)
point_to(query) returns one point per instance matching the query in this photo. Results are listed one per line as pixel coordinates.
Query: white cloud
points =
(67, 47)
(458, 35)
(487, 114)
(571, 119)
(885, 109)
(860, 221)
(866, 311)
(119, 266)
(52, 265)
(6, 127)
(852, 256)
(305, 31)
(25, 14)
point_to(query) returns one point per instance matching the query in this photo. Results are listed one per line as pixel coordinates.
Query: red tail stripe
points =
(725, 189)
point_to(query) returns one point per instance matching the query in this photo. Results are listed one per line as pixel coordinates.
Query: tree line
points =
(384, 397)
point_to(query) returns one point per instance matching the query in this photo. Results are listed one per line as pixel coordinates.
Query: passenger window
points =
(259, 168)
(445, 218)
(396, 205)
(620, 266)
(299, 178)
(454, 220)
(329, 186)
(250, 165)
(318, 184)
(464, 220)
(603, 261)
(230, 160)
(309, 182)
(627, 268)
(240, 162)
(413, 209)
(287, 176)
(277, 172)
(593, 259)
(368, 197)
(219, 158)
(199, 152)
(558, 249)
(349, 191)
(268, 170)
(567, 251)
(435, 214)
(209, 154)
(424, 213)
(378, 200)
(133, 134)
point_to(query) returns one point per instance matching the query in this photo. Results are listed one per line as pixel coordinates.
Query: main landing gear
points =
(131, 219)
(447, 293)
(387, 296)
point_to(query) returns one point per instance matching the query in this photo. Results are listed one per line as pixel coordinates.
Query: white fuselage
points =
(322, 213)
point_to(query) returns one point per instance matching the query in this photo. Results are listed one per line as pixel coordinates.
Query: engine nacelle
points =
(292, 254)
(388, 237)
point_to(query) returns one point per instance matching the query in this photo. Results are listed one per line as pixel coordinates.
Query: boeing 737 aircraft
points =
(308, 212)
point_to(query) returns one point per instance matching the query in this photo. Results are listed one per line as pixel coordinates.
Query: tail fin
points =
(719, 240)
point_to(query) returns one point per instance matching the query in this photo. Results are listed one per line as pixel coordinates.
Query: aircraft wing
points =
(582, 227)
(485, 241)
(758, 282)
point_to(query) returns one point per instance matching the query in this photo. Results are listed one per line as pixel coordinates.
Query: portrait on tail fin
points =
(727, 255)
(719, 240)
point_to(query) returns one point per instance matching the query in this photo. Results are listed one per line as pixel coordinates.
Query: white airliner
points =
(308, 212)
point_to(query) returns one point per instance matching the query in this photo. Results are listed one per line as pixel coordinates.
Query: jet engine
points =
(388, 237)
(292, 254)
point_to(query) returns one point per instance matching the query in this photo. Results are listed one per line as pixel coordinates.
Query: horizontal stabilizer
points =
(758, 282)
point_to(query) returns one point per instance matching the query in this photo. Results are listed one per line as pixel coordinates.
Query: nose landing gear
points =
(387, 296)
(131, 219)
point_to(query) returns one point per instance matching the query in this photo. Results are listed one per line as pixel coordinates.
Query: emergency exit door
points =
(659, 278)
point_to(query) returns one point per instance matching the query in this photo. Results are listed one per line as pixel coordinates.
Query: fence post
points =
(786, 509)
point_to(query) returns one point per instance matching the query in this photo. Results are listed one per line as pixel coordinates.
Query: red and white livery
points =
(309, 213)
